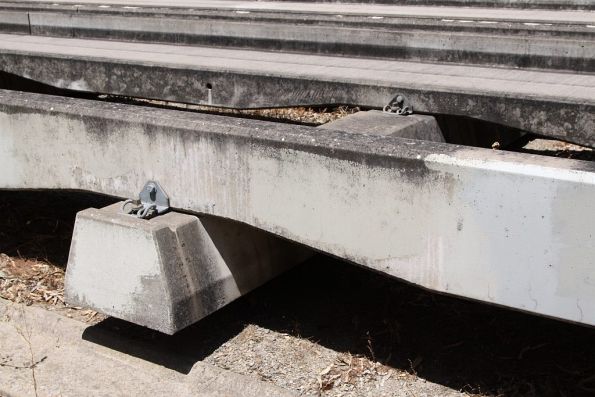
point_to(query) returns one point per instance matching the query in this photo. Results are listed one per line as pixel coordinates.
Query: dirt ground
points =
(313, 116)
(325, 328)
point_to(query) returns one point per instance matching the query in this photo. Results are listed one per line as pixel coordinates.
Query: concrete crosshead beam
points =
(506, 228)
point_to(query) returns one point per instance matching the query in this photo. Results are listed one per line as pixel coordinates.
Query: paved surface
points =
(45, 354)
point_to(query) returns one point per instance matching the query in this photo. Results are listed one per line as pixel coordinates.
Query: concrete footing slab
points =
(43, 354)
(170, 271)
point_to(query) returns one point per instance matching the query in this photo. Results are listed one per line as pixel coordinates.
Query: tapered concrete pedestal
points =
(170, 271)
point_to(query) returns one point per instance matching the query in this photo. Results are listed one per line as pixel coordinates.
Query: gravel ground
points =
(303, 365)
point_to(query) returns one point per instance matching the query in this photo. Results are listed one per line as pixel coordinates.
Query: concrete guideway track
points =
(541, 4)
(560, 105)
(500, 227)
(350, 9)
(513, 44)
(450, 18)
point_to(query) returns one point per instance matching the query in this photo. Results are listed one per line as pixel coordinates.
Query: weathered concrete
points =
(170, 271)
(414, 126)
(526, 4)
(360, 8)
(506, 228)
(481, 43)
(560, 105)
(364, 20)
(542, 4)
(14, 22)
(43, 354)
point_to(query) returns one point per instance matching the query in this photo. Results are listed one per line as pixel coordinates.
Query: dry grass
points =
(348, 372)
(308, 367)
(34, 242)
(316, 116)
(31, 281)
(300, 114)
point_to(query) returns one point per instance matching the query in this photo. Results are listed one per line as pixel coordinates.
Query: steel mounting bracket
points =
(152, 201)
(399, 105)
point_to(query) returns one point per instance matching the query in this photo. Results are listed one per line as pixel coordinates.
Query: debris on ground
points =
(30, 281)
(34, 243)
(300, 114)
(305, 115)
(301, 364)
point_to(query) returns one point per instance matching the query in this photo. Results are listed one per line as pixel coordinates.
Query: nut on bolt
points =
(152, 189)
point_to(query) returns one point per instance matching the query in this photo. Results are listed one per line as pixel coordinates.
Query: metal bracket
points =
(399, 105)
(152, 201)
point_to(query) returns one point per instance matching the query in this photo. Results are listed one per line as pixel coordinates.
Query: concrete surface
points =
(363, 20)
(543, 4)
(560, 105)
(505, 44)
(373, 122)
(361, 8)
(170, 271)
(43, 354)
(506, 228)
